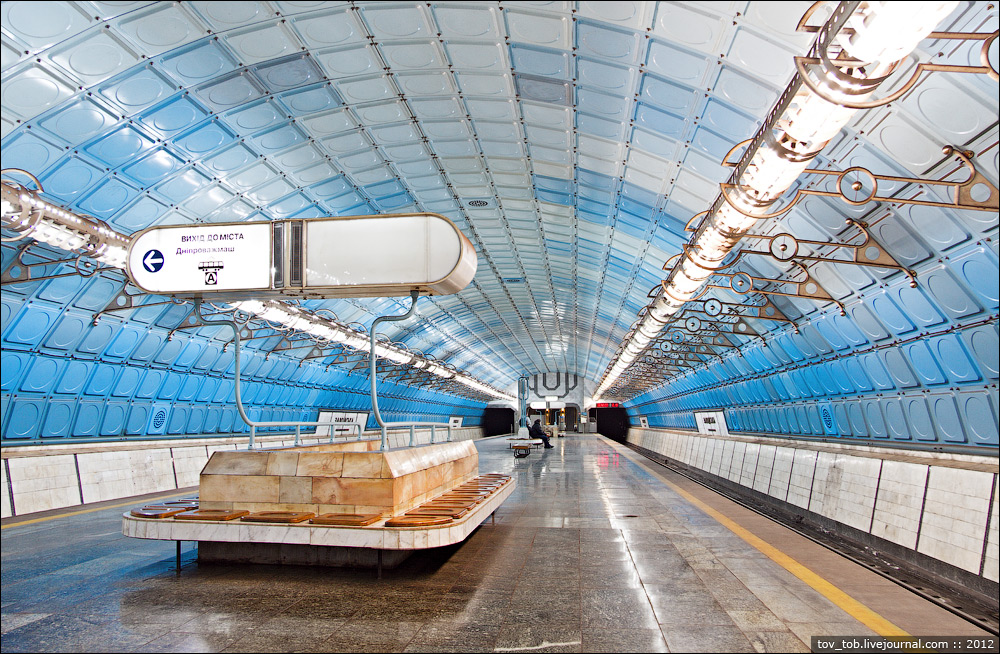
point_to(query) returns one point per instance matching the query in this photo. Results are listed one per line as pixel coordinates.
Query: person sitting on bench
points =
(536, 431)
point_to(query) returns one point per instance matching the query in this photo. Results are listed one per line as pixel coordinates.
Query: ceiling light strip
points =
(874, 35)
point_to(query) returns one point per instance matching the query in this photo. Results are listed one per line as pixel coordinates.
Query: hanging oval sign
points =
(357, 256)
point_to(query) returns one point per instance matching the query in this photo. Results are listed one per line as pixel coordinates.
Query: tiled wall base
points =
(44, 477)
(942, 506)
(290, 554)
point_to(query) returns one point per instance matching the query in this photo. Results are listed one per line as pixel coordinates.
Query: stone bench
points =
(358, 505)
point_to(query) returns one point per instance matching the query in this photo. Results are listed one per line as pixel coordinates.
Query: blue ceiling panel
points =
(27, 151)
(155, 166)
(172, 116)
(136, 90)
(204, 139)
(78, 122)
(122, 145)
(570, 143)
(71, 178)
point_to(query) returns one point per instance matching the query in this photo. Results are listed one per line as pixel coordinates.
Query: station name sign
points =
(358, 256)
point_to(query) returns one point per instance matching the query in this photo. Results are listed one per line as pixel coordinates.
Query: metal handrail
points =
(412, 425)
(372, 358)
(254, 424)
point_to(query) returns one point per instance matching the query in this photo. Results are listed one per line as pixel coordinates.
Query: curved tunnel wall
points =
(835, 380)
(63, 378)
(904, 364)
(205, 123)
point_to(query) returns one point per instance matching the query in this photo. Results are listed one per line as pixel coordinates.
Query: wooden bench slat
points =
(210, 514)
(156, 512)
(346, 519)
(283, 517)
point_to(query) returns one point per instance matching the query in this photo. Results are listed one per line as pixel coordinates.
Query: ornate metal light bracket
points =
(834, 70)
(18, 271)
(323, 351)
(858, 186)
(696, 346)
(658, 366)
(785, 247)
(714, 308)
(745, 283)
(197, 318)
(694, 326)
(125, 300)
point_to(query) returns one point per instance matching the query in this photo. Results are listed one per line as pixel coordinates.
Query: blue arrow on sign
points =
(153, 261)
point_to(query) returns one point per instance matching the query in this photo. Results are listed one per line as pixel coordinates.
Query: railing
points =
(254, 424)
(384, 426)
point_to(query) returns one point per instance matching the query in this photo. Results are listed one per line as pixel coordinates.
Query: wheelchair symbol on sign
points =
(211, 270)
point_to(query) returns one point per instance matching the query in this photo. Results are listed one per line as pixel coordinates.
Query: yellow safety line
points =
(851, 606)
(82, 511)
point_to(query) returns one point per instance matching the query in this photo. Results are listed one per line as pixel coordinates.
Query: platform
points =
(596, 549)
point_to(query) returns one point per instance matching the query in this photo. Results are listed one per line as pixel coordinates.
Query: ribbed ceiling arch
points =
(570, 141)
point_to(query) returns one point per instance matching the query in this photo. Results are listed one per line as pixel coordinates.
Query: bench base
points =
(292, 554)
(374, 537)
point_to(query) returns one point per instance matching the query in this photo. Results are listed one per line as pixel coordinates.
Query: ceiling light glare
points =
(880, 34)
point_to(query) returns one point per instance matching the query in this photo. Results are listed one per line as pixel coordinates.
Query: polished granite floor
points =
(597, 550)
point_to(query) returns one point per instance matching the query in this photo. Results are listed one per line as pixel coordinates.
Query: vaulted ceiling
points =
(572, 142)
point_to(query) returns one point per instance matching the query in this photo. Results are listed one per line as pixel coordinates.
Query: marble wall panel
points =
(282, 463)
(801, 478)
(844, 489)
(991, 557)
(5, 510)
(708, 446)
(124, 473)
(953, 527)
(688, 452)
(319, 464)
(362, 465)
(713, 455)
(735, 469)
(781, 473)
(295, 490)
(764, 464)
(188, 464)
(223, 447)
(899, 501)
(247, 488)
(748, 470)
(43, 483)
(369, 492)
(237, 463)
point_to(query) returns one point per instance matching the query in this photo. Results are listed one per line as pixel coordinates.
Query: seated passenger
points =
(536, 431)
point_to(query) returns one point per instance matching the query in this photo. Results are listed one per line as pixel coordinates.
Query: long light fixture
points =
(24, 211)
(295, 318)
(860, 45)
(27, 213)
